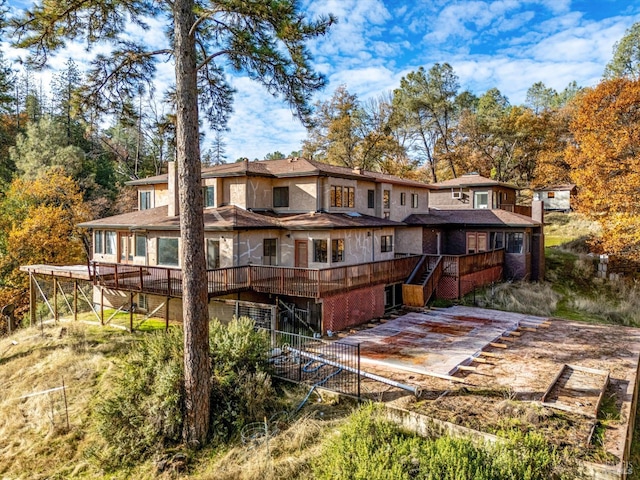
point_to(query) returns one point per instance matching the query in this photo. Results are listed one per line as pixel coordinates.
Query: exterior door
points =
(302, 254)
(126, 247)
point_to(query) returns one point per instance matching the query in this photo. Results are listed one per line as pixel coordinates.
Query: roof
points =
(471, 180)
(287, 168)
(556, 188)
(321, 221)
(471, 217)
(223, 218)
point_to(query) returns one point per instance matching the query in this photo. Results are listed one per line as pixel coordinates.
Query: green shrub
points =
(142, 412)
(369, 447)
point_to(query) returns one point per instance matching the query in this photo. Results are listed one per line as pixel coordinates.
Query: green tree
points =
(626, 56)
(426, 104)
(216, 155)
(277, 155)
(265, 40)
(540, 97)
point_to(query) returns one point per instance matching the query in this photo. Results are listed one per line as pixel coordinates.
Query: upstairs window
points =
(280, 196)
(414, 200)
(403, 198)
(337, 250)
(386, 199)
(481, 199)
(386, 243)
(145, 200)
(98, 242)
(320, 251)
(371, 199)
(208, 196)
(342, 196)
(551, 194)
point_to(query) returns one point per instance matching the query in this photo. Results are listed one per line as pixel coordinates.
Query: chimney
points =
(537, 211)
(172, 174)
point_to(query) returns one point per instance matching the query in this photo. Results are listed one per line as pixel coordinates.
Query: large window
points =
(481, 199)
(386, 199)
(496, 240)
(145, 200)
(515, 242)
(269, 251)
(371, 199)
(208, 195)
(110, 242)
(213, 253)
(414, 200)
(337, 250)
(280, 196)
(168, 251)
(342, 196)
(386, 243)
(320, 251)
(98, 242)
(141, 246)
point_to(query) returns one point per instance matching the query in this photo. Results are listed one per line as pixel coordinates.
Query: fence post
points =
(358, 372)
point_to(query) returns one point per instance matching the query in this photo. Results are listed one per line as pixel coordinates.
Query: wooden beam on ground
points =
(527, 329)
(467, 368)
(515, 334)
(490, 354)
(508, 339)
(497, 345)
(480, 360)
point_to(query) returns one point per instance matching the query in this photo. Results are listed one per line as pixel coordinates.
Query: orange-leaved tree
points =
(38, 221)
(605, 162)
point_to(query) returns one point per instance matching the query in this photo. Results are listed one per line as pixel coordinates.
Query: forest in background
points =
(64, 159)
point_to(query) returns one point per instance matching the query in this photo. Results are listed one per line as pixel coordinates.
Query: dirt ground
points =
(503, 387)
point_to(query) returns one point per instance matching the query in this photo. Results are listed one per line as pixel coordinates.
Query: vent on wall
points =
(456, 194)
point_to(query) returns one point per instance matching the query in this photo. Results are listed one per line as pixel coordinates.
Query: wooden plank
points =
(497, 345)
(467, 368)
(490, 354)
(553, 382)
(480, 360)
(515, 334)
(527, 329)
(508, 339)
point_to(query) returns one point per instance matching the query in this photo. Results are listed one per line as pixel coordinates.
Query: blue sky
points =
(508, 44)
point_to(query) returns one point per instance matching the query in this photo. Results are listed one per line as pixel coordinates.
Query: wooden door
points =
(302, 254)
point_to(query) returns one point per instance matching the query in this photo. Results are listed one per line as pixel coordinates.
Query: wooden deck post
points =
(75, 300)
(55, 299)
(166, 314)
(131, 311)
(32, 301)
(101, 306)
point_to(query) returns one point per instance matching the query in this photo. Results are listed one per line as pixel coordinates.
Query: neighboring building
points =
(556, 197)
(325, 246)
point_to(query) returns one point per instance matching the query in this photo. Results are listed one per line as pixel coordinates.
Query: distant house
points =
(556, 197)
(326, 246)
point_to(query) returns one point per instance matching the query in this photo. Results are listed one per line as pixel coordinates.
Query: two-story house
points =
(330, 245)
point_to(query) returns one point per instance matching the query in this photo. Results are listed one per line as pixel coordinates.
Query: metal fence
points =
(313, 361)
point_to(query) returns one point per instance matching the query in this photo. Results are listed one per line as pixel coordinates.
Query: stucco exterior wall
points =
(408, 240)
(561, 200)
(234, 192)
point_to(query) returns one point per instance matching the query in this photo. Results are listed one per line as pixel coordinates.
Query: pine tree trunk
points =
(194, 275)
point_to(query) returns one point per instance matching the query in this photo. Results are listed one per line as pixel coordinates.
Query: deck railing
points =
(300, 282)
(460, 265)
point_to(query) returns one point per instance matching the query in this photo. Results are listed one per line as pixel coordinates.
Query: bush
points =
(369, 447)
(143, 411)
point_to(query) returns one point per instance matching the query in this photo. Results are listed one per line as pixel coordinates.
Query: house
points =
(306, 243)
(556, 197)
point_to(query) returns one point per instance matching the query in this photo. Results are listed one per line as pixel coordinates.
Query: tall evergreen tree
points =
(266, 40)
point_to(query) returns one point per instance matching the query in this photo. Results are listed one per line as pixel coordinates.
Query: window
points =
(208, 195)
(337, 250)
(320, 251)
(496, 240)
(143, 301)
(145, 200)
(481, 200)
(280, 196)
(269, 251)
(342, 196)
(476, 242)
(168, 251)
(414, 200)
(141, 246)
(551, 194)
(403, 198)
(471, 243)
(371, 199)
(386, 243)
(386, 199)
(515, 242)
(386, 215)
(213, 253)
(98, 243)
(110, 243)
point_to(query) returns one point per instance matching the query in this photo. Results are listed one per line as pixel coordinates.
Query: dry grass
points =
(561, 228)
(523, 297)
(34, 439)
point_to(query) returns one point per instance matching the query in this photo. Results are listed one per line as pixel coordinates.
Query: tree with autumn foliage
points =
(38, 219)
(605, 160)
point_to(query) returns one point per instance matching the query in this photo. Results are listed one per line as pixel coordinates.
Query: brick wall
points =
(352, 308)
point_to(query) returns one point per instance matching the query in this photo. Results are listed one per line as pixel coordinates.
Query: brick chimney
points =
(172, 174)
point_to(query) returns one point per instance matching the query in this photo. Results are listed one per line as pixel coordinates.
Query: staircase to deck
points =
(423, 281)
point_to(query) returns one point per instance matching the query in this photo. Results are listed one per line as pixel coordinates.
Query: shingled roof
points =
(470, 180)
(471, 217)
